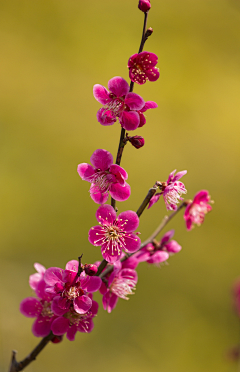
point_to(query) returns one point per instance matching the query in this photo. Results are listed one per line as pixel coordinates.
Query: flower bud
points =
(144, 5)
(136, 141)
(90, 269)
(56, 339)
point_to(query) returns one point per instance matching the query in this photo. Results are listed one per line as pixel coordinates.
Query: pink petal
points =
(72, 265)
(166, 237)
(34, 279)
(159, 256)
(130, 220)
(60, 326)
(152, 74)
(149, 105)
(86, 325)
(173, 247)
(96, 235)
(101, 94)
(179, 175)
(118, 86)
(106, 214)
(94, 284)
(71, 332)
(101, 159)
(154, 200)
(129, 274)
(55, 307)
(110, 255)
(94, 308)
(41, 291)
(134, 101)
(106, 117)
(129, 120)
(120, 193)
(42, 326)
(82, 304)
(142, 120)
(39, 268)
(115, 169)
(30, 307)
(98, 196)
(132, 243)
(85, 171)
(201, 196)
(53, 275)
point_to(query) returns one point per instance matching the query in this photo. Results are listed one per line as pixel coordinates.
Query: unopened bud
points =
(56, 339)
(149, 32)
(90, 269)
(144, 5)
(136, 141)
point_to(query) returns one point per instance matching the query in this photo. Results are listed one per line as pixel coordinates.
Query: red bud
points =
(144, 5)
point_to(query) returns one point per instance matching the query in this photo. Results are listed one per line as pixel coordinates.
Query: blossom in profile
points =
(114, 234)
(171, 191)
(157, 252)
(119, 103)
(73, 322)
(196, 210)
(70, 290)
(136, 141)
(142, 67)
(39, 307)
(120, 284)
(144, 5)
(105, 177)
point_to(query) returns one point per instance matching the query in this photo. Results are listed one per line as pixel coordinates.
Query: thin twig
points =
(19, 366)
(147, 199)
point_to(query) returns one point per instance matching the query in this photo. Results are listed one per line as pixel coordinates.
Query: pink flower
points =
(142, 67)
(118, 103)
(70, 290)
(114, 233)
(144, 5)
(105, 177)
(71, 322)
(121, 283)
(171, 191)
(39, 308)
(195, 211)
(155, 253)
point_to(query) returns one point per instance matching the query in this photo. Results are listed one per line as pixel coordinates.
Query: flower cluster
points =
(63, 298)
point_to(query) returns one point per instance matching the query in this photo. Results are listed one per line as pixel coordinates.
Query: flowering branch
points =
(146, 201)
(122, 143)
(19, 366)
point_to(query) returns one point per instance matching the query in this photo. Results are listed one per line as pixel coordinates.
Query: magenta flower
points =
(121, 283)
(69, 290)
(105, 177)
(142, 67)
(115, 233)
(195, 211)
(171, 191)
(71, 322)
(39, 308)
(148, 105)
(155, 253)
(144, 5)
(118, 103)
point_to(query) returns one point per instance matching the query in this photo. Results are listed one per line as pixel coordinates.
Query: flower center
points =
(122, 287)
(101, 180)
(116, 106)
(72, 292)
(198, 211)
(46, 311)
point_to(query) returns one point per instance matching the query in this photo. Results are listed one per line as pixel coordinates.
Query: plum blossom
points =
(157, 252)
(195, 211)
(136, 141)
(71, 322)
(118, 103)
(142, 67)
(115, 233)
(39, 308)
(105, 177)
(120, 284)
(144, 5)
(70, 290)
(171, 191)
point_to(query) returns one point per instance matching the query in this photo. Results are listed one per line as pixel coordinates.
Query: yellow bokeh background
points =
(52, 53)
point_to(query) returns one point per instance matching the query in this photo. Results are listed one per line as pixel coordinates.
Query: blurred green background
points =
(52, 53)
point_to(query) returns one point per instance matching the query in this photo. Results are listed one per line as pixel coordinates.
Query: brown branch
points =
(147, 199)
(19, 366)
